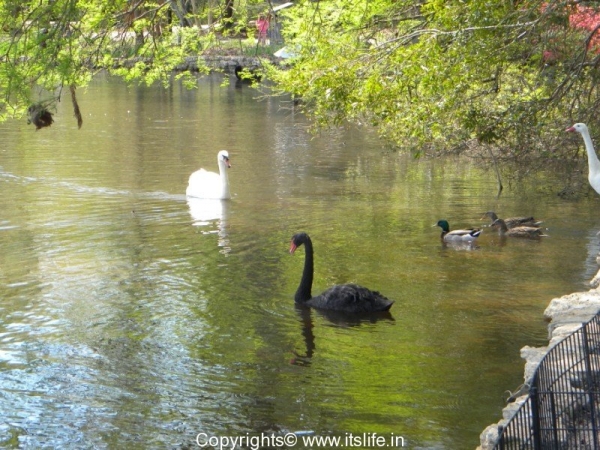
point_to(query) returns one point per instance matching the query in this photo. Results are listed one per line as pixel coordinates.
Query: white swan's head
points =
(223, 157)
(578, 127)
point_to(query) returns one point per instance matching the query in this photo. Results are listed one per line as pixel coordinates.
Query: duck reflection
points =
(338, 318)
(212, 214)
(459, 246)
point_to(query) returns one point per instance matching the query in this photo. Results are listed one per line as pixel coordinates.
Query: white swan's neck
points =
(225, 194)
(593, 162)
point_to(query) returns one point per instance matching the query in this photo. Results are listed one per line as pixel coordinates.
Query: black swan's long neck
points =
(304, 290)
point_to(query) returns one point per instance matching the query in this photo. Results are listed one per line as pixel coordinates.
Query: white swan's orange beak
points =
(293, 248)
(570, 129)
(228, 163)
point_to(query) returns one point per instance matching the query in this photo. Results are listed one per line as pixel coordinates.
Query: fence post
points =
(590, 382)
(535, 415)
(500, 443)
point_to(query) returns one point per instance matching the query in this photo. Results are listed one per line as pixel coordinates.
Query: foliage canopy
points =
(46, 45)
(431, 75)
(439, 75)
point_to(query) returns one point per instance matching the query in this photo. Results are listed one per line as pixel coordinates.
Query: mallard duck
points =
(467, 236)
(512, 222)
(524, 232)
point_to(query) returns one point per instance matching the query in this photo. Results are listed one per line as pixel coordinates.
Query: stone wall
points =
(223, 63)
(566, 314)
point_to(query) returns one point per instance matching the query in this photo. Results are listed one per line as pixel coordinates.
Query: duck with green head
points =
(469, 235)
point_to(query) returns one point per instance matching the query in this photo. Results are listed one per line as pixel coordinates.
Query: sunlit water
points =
(132, 318)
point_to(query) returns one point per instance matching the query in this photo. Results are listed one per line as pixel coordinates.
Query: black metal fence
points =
(563, 408)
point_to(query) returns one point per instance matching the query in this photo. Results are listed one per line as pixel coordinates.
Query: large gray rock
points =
(573, 308)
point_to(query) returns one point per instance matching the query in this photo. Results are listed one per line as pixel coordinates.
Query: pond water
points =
(132, 318)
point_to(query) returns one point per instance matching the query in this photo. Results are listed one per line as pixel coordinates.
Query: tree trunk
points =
(228, 14)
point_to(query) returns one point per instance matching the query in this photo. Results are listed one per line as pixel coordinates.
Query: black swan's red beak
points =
(293, 248)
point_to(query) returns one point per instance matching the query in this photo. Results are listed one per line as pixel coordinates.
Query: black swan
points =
(343, 297)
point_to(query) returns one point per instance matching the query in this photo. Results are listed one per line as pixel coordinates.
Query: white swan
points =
(593, 162)
(204, 184)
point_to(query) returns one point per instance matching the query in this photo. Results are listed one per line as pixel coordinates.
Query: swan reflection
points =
(338, 318)
(305, 316)
(212, 214)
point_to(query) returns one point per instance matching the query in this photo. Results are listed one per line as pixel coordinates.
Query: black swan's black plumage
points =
(344, 297)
